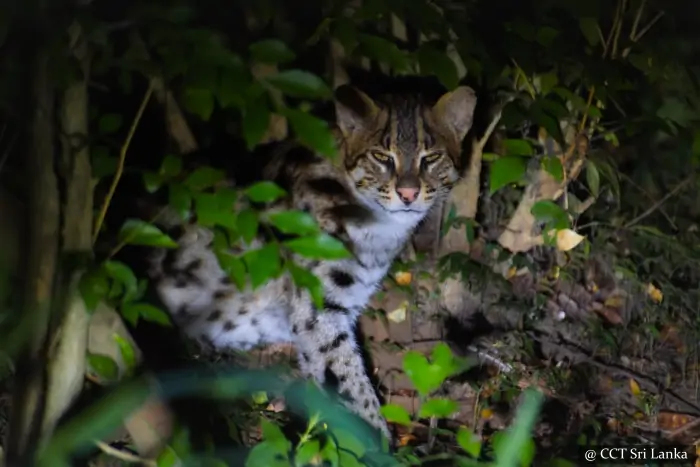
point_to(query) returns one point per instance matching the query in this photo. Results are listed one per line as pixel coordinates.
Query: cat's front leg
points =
(328, 351)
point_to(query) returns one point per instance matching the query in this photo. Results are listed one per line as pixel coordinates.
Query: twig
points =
(680, 430)
(650, 198)
(129, 237)
(648, 26)
(656, 205)
(123, 455)
(120, 163)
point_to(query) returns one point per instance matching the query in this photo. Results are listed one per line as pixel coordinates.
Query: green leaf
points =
(518, 444)
(264, 192)
(312, 131)
(234, 268)
(320, 246)
(93, 287)
(420, 372)
(170, 167)
(110, 123)
(551, 214)
(263, 264)
(506, 170)
(147, 312)
(256, 119)
(307, 451)
(123, 274)
(233, 83)
(138, 232)
(396, 414)
(469, 442)
(517, 147)
(273, 435)
(546, 36)
(589, 28)
(266, 454)
(203, 178)
(436, 62)
(247, 224)
(552, 165)
(127, 352)
(592, 178)
(441, 408)
(180, 200)
(271, 51)
(294, 223)
(382, 50)
(103, 366)
(200, 102)
(152, 181)
(301, 84)
(305, 279)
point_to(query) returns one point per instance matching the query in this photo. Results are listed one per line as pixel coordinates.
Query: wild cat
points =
(399, 154)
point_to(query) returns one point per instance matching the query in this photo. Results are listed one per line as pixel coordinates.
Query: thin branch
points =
(120, 164)
(649, 26)
(637, 19)
(658, 204)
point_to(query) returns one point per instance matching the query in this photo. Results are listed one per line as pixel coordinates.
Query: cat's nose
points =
(407, 195)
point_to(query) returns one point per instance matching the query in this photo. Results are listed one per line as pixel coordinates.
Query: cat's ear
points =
(354, 110)
(454, 111)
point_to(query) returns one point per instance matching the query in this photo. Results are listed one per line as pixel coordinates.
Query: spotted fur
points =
(399, 155)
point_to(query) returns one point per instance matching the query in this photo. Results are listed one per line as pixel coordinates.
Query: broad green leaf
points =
(170, 167)
(299, 83)
(256, 119)
(208, 212)
(384, 51)
(264, 192)
(305, 279)
(263, 264)
(320, 246)
(203, 178)
(546, 36)
(552, 165)
(266, 454)
(589, 28)
(123, 274)
(347, 459)
(396, 414)
(307, 451)
(441, 408)
(425, 377)
(152, 181)
(348, 441)
(294, 222)
(103, 366)
(592, 178)
(436, 62)
(312, 131)
(200, 102)
(517, 147)
(180, 200)
(550, 213)
(247, 224)
(147, 312)
(138, 232)
(110, 123)
(469, 442)
(234, 268)
(233, 83)
(518, 444)
(273, 435)
(272, 51)
(506, 170)
(93, 287)
(127, 352)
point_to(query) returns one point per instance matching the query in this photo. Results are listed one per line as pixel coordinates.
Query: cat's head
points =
(400, 153)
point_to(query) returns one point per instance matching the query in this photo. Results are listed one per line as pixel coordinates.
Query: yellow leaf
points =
(616, 301)
(634, 387)
(654, 293)
(399, 314)
(403, 278)
(405, 439)
(511, 272)
(486, 414)
(567, 239)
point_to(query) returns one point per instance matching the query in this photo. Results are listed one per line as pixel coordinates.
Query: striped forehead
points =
(406, 134)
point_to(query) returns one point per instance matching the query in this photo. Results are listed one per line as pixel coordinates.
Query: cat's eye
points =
(383, 158)
(431, 158)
